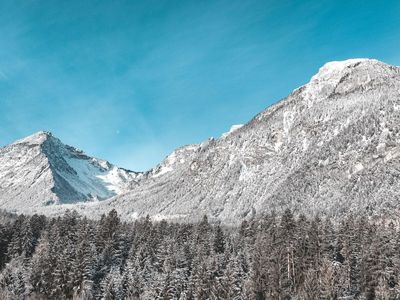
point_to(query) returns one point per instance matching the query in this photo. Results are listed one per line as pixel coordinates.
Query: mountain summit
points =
(331, 147)
(40, 170)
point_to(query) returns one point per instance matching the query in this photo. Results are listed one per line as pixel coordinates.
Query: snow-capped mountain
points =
(331, 147)
(40, 170)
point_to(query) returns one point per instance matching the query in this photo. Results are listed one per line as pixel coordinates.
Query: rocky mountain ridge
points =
(40, 170)
(331, 147)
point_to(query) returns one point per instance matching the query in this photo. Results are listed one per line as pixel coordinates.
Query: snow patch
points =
(335, 131)
(245, 173)
(288, 118)
(231, 130)
(96, 180)
(325, 81)
(279, 142)
(162, 171)
(166, 165)
(305, 144)
(37, 138)
(358, 168)
(178, 157)
(381, 148)
(161, 217)
(330, 69)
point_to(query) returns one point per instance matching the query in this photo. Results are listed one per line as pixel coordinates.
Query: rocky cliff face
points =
(331, 147)
(39, 170)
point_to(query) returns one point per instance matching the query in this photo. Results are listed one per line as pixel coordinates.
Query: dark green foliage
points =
(219, 240)
(287, 257)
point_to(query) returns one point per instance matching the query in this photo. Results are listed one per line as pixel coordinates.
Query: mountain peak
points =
(37, 138)
(39, 170)
(329, 148)
(342, 77)
(332, 70)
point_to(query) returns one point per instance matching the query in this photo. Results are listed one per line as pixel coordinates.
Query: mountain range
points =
(331, 147)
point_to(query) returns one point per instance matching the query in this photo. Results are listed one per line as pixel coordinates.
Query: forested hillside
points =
(288, 257)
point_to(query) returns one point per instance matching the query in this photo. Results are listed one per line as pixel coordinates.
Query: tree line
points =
(271, 257)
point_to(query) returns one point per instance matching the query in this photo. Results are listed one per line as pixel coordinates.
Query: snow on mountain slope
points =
(40, 170)
(331, 147)
(174, 160)
(233, 129)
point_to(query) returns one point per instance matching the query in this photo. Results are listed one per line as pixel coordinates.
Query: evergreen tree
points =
(219, 240)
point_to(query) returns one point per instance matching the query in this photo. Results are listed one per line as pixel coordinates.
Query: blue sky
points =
(129, 81)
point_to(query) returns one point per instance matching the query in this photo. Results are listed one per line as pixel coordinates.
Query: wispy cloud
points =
(163, 74)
